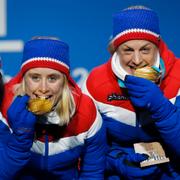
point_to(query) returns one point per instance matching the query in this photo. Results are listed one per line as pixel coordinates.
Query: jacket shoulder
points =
(99, 75)
(171, 83)
(101, 83)
(85, 115)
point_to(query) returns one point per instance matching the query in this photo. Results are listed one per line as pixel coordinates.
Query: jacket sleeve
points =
(169, 128)
(93, 159)
(14, 152)
(147, 95)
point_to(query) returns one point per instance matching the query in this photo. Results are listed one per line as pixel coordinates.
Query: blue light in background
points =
(85, 25)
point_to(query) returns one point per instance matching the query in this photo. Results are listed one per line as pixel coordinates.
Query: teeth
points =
(43, 97)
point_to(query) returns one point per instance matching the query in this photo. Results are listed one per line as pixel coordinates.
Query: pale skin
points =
(44, 83)
(136, 54)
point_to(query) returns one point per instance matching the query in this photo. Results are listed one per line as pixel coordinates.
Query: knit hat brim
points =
(47, 53)
(132, 35)
(45, 62)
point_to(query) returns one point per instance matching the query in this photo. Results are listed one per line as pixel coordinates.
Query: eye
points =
(35, 78)
(53, 78)
(145, 50)
(128, 50)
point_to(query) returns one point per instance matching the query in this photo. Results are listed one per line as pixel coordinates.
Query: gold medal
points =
(39, 106)
(147, 72)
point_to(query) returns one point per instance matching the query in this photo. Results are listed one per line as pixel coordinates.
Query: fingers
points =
(137, 158)
(19, 103)
(31, 118)
(138, 103)
(135, 93)
(24, 114)
(18, 115)
(17, 106)
(132, 169)
(136, 80)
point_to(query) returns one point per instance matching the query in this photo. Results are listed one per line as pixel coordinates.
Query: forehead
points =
(43, 71)
(138, 43)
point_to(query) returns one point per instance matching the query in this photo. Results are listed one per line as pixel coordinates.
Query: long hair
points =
(65, 107)
(66, 104)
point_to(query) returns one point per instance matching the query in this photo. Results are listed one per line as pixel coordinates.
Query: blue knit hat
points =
(136, 22)
(47, 53)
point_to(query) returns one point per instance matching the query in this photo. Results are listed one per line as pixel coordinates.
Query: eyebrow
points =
(127, 46)
(54, 74)
(39, 74)
(146, 45)
(33, 73)
(36, 72)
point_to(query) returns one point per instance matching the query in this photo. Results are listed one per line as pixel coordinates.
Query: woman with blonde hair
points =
(68, 131)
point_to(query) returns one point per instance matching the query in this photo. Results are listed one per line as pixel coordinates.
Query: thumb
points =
(137, 158)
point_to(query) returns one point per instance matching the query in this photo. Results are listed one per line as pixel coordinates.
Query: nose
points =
(43, 87)
(137, 59)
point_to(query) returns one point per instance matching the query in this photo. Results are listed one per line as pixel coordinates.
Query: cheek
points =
(30, 87)
(57, 89)
(150, 59)
(125, 60)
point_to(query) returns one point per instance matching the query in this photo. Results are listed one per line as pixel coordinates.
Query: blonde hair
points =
(65, 107)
